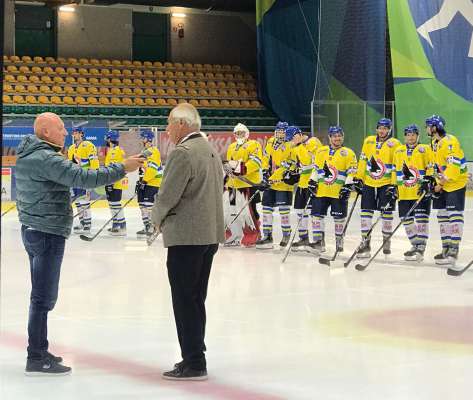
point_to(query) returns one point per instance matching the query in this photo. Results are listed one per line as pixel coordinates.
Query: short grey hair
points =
(188, 114)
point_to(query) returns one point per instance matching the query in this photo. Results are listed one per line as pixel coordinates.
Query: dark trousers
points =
(188, 271)
(45, 252)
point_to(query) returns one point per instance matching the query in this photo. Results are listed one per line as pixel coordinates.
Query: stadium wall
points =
(9, 27)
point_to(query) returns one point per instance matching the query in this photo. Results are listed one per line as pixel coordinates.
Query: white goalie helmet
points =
(241, 133)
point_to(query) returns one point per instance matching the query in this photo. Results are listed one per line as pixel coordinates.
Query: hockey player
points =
(244, 157)
(413, 174)
(115, 154)
(375, 173)
(83, 153)
(304, 152)
(277, 162)
(149, 181)
(335, 168)
(450, 165)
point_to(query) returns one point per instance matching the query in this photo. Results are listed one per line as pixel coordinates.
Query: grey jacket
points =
(43, 178)
(189, 209)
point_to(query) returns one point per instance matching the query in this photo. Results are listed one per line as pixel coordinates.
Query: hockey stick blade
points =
(325, 261)
(360, 267)
(458, 272)
(86, 238)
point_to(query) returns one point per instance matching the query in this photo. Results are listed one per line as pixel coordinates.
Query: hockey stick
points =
(458, 272)
(90, 238)
(327, 261)
(361, 267)
(367, 237)
(7, 211)
(291, 241)
(82, 210)
(150, 239)
(242, 209)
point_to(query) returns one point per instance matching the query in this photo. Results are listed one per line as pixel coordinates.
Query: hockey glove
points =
(291, 177)
(427, 185)
(391, 194)
(313, 185)
(140, 185)
(358, 185)
(345, 191)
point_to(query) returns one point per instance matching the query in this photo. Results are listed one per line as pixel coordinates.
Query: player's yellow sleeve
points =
(352, 165)
(429, 161)
(268, 151)
(93, 158)
(71, 152)
(230, 151)
(452, 158)
(254, 163)
(396, 165)
(361, 170)
(153, 171)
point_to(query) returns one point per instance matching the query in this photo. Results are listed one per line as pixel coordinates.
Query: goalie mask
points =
(241, 133)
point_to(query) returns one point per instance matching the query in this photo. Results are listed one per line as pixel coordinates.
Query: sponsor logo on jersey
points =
(421, 149)
(390, 143)
(343, 152)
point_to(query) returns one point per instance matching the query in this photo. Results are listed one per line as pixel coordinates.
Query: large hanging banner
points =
(432, 58)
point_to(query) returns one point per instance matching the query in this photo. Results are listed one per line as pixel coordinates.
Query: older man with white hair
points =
(189, 213)
(43, 179)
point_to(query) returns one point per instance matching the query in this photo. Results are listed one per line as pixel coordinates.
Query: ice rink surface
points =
(299, 330)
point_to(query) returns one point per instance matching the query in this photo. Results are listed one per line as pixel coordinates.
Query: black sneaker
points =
(365, 249)
(182, 373)
(300, 245)
(265, 243)
(46, 367)
(386, 246)
(50, 356)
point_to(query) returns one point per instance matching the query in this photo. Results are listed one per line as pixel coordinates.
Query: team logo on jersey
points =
(343, 153)
(330, 174)
(390, 143)
(410, 176)
(450, 160)
(376, 168)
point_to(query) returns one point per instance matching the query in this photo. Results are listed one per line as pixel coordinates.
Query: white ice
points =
(298, 330)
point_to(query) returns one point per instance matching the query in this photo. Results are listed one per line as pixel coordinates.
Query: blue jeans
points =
(45, 252)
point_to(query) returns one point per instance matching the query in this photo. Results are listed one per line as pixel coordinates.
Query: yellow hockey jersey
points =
(278, 160)
(250, 154)
(451, 163)
(116, 155)
(376, 161)
(409, 168)
(333, 168)
(153, 171)
(84, 154)
(304, 154)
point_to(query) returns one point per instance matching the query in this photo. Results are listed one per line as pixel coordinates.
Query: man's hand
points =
(132, 163)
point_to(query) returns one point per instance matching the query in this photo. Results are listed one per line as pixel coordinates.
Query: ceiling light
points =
(67, 9)
(179, 15)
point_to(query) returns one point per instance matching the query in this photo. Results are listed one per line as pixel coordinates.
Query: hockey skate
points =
(265, 243)
(452, 256)
(284, 241)
(416, 253)
(301, 245)
(317, 247)
(365, 249)
(118, 230)
(441, 258)
(81, 229)
(386, 245)
(144, 233)
(232, 242)
(339, 244)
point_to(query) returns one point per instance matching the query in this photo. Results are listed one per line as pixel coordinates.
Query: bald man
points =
(43, 179)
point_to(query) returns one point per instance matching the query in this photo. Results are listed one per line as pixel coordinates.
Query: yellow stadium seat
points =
(170, 83)
(93, 90)
(229, 76)
(94, 71)
(253, 93)
(59, 70)
(171, 92)
(168, 64)
(36, 70)
(15, 59)
(17, 99)
(43, 99)
(207, 67)
(26, 59)
(71, 71)
(72, 61)
(34, 79)
(189, 75)
(226, 67)
(221, 85)
(214, 103)
(238, 76)
(117, 72)
(21, 78)
(204, 103)
(148, 82)
(94, 61)
(24, 69)
(68, 100)
(236, 68)
(84, 61)
(255, 104)
(12, 68)
(157, 64)
(188, 66)
(224, 103)
(138, 91)
(57, 89)
(161, 92)
(127, 82)
(45, 89)
(138, 101)
(69, 90)
(127, 91)
(213, 92)
(50, 60)
(80, 100)
(31, 99)
(169, 74)
(104, 101)
(61, 60)
(149, 101)
(199, 75)
(127, 72)
(104, 90)
(8, 88)
(127, 101)
(171, 102)
(116, 63)
(161, 102)
(83, 71)
(181, 84)
(9, 78)
(181, 92)
(5, 58)
(71, 80)
(148, 74)
(6, 99)
(137, 63)
(191, 84)
(241, 85)
(104, 81)
(105, 72)
(105, 62)
(138, 82)
(48, 70)
(223, 93)
(92, 101)
(245, 104)
(149, 92)
(81, 90)
(93, 81)
(56, 100)
(203, 93)
(192, 92)
(243, 93)
(179, 74)
(147, 64)
(233, 93)
(198, 66)
(32, 89)
(194, 102)
(211, 85)
(219, 75)
(179, 101)
(160, 82)
(158, 74)
(251, 86)
(231, 85)
(235, 103)
(127, 63)
(58, 80)
(209, 75)
(82, 81)
(178, 65)
(116, 82)
(115, 91)
(217, 67)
